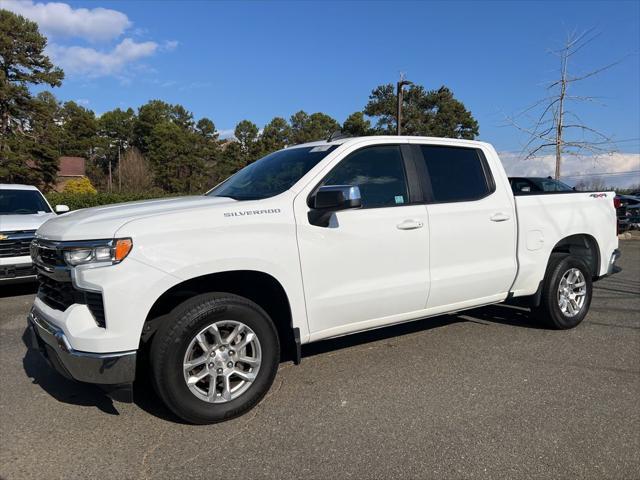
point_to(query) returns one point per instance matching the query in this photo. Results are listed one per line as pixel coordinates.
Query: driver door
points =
(369, 266)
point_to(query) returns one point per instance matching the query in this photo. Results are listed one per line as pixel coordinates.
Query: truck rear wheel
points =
(214, 358)
(566, 294)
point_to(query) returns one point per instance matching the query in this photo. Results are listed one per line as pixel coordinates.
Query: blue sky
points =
(257, 60)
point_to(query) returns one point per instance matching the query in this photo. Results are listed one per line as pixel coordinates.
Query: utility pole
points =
(110, 181)
(119, 171)
(560, 114)
(399, 86)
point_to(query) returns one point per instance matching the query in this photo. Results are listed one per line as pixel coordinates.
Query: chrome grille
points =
(16, 243)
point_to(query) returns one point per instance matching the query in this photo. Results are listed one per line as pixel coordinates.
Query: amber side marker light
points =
(123, 247)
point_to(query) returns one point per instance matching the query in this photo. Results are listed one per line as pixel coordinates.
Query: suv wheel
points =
(566, 294)
(214, 357)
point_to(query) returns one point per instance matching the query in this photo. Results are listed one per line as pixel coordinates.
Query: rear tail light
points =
(616, 202)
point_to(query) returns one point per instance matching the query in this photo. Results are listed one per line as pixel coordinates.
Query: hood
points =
(102, 222)
(12, 223)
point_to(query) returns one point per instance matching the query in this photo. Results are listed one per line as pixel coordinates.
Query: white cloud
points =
(94, 63)
(97, 25)
(61, 20)
(170, 45)
(577, 168)
(227, 134)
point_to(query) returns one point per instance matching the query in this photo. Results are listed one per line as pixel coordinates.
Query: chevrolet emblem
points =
(3, 237)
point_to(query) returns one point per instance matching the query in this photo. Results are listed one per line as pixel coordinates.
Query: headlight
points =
(112, 251)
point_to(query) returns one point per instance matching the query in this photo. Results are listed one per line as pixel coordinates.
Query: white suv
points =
(22, 210)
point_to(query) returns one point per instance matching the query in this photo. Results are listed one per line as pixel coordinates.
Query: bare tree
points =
(551, 123)
(135, 172)
(595, 184)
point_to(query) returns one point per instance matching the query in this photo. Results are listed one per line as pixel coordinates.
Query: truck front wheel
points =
(566, 294)
(214, 357)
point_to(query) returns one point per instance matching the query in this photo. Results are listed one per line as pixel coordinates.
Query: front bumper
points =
(99, 368)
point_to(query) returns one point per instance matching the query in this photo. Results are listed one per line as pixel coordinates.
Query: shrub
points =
(80, 186)
(86, 200)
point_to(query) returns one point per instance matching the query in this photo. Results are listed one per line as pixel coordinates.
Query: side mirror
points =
(337, 197)
(62, 208)
(332, 198)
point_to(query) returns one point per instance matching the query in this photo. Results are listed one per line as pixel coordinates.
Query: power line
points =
(603, 174)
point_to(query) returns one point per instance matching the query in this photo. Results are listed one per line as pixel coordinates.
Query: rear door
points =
(472, 227)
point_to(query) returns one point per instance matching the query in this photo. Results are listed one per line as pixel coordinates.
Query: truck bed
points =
(546, 218)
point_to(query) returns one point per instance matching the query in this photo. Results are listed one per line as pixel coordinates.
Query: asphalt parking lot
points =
(485, 394)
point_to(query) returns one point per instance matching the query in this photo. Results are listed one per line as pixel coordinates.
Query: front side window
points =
(22, 202)
(378, 172)
(456, 174)
(273, 174)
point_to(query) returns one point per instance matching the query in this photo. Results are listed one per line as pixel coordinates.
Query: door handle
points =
(410, 225)
(499, 217)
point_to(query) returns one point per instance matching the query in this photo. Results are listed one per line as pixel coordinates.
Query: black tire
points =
(173, 337)
(549, 310)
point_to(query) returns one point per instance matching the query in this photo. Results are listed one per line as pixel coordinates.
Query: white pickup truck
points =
(23, 209)
(310, 242)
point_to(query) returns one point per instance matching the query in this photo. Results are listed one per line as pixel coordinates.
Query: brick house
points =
(68, 169)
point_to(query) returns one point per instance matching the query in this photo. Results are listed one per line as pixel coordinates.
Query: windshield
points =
(273, 174)
(22, 202)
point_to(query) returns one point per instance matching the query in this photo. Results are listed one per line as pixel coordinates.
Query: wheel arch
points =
(581, 245)
(259, 287)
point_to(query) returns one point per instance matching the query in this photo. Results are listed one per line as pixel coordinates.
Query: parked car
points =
(633, 216)
(538, 185)
(22, 210)
(310, 242)
(627, 211)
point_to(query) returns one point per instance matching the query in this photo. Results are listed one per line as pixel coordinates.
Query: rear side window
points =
(456, 174)
(378, 172)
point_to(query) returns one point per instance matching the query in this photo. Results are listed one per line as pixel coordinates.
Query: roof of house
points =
(71, 167)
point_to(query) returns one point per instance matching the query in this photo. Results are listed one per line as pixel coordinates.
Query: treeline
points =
(160, 146)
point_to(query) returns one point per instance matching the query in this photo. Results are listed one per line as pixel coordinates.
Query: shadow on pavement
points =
(502, 314)
(60, 388)
(377, 335)
(505, 315)
(144, 397)
(17, 289)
